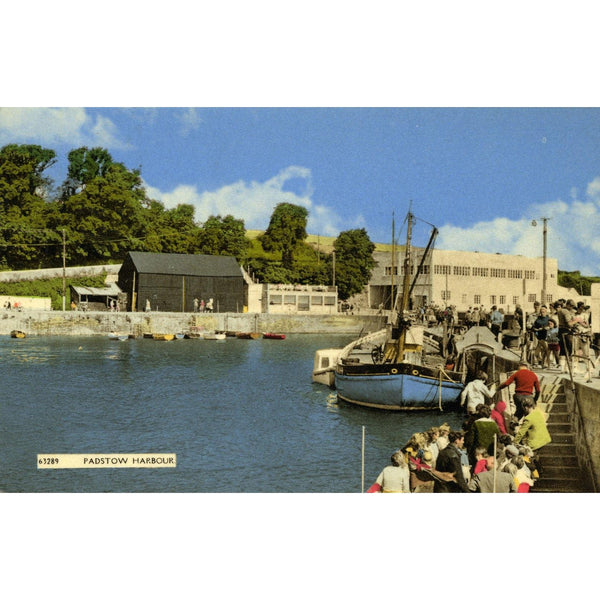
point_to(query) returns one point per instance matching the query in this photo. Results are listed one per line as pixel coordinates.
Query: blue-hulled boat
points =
(389, 370)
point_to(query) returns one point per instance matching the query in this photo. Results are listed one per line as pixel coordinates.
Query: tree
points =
(223, 236)
(353, 261)
(287, 229)
(105, 219)
(84, 166)
(24, 237)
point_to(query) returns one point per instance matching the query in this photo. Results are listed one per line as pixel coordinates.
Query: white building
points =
(464, 279)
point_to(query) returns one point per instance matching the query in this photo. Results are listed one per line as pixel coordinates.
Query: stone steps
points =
(559, 466)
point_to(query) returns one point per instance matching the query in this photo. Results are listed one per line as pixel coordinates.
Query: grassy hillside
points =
(319, 242)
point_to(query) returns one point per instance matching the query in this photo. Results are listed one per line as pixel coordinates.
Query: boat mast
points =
(392, 299)
(402, 323)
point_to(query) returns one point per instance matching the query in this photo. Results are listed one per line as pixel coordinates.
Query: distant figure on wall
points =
(148, 308)
(196, 305)
(209, 305)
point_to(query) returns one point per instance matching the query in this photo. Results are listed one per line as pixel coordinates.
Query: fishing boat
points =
(274, 336)
(15, 333)
(388, 369)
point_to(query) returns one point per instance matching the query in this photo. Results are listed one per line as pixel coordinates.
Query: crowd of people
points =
(497, 449)
(558, 332)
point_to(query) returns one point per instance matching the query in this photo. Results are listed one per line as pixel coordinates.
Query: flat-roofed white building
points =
(465, 279)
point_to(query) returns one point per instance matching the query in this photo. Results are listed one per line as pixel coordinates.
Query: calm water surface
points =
(241, 415)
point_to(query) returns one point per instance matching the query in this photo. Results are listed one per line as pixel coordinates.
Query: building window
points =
(529, 274)
(461, 271)
(441, 269)
(317, 300)
(476, 299)
(424, 270)
(515, 273)
(548, 297)
(388, 270)
(480, 272)
(275, 299)
(464, 298)
(502, 300)
(289, 299)
(493, 299)
(329, 301)
(498, 273)
(531, 298)
(515, 300)
(446, 294)
(303, 302)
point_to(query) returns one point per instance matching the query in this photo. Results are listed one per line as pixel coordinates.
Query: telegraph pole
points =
(545, 247)
(64, 291)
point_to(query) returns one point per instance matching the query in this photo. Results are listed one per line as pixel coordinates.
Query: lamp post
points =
(545, 235)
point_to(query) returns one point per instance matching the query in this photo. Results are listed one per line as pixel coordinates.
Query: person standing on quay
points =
(526, 383)
(449, 461)
(496, 320)
(394, 477)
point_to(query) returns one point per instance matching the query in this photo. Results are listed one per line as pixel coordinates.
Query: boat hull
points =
(409, 388)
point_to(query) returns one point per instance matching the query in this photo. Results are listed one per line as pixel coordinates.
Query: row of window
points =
(302, 301)
(423, 270)
(499, 300)
(483, 272)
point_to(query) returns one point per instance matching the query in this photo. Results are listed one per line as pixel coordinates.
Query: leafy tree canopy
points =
(354, 261)
(223, 235)
(286, 230)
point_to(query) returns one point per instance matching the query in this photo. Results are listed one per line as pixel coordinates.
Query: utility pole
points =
(333, 266)
(545, 247)
(64, 290)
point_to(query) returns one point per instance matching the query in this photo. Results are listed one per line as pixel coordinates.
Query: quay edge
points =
(77, 323)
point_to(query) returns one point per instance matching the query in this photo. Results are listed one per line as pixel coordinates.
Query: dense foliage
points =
(581, 283)
(101, 211)
(354, 261)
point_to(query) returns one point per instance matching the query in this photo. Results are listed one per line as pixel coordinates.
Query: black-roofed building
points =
(170, 282)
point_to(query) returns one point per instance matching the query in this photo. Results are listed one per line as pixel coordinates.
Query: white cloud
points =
(572, 233)
(254, 201)
(189, 120)
(73, 126)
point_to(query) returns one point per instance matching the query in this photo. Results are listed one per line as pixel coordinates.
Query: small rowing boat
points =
(247, 335)
(15, 333)
(214, 335)
(163, 337)
(274, 336)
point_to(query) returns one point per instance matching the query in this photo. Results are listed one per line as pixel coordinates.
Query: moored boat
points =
(163, 337)
(389, 369)
(274, 336)
(247, 335)
(214, 335)
(121, 337)
(324, 366)
(15, 333)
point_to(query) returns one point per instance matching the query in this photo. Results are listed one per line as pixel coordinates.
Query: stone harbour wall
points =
(587, 431)
(76, 323)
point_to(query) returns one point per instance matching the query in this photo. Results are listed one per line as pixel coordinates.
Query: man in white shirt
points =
(476, 392)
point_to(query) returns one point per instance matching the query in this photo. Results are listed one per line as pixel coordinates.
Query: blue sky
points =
(528, 147)
(479, 174)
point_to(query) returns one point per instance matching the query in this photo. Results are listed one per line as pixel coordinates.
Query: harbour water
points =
(241, 416)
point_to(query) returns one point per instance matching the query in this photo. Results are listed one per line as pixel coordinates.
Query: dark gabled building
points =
(170, 282)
